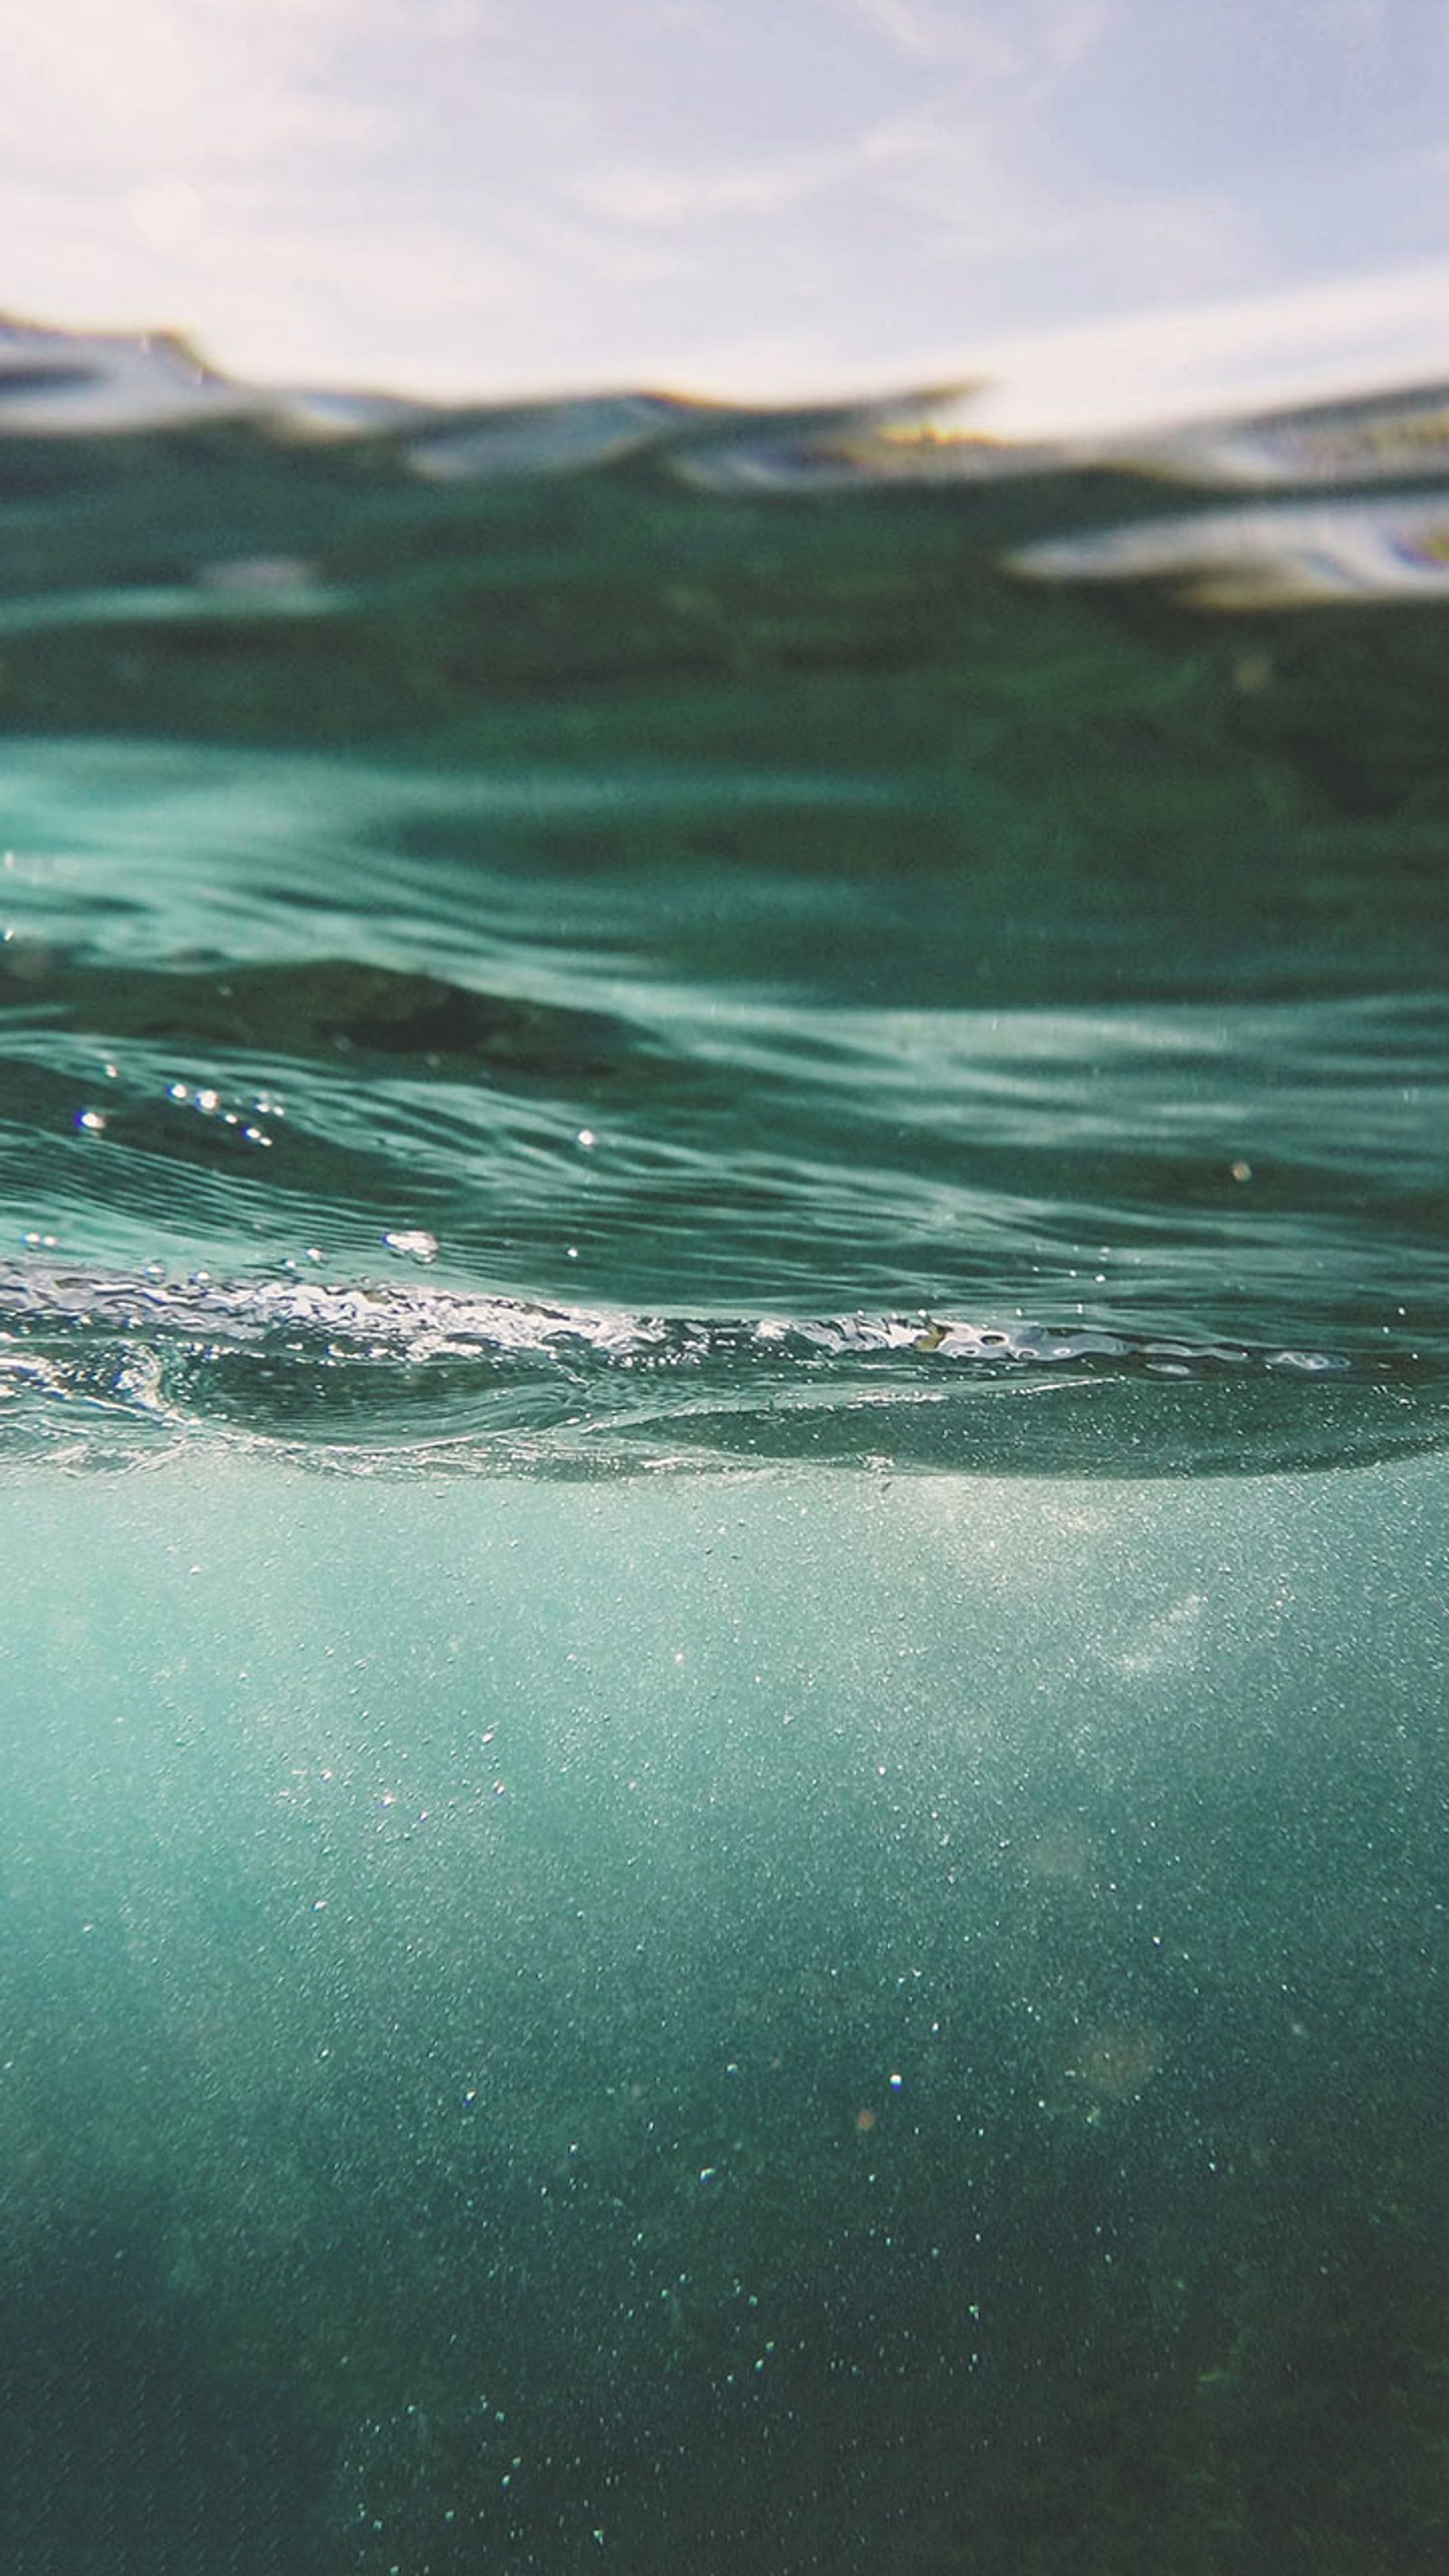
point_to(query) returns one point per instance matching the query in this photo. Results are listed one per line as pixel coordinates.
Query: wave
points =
(634, 858)
(385, 1378)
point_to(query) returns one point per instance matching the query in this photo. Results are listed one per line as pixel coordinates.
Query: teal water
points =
(808, 2020)
(722, 1335)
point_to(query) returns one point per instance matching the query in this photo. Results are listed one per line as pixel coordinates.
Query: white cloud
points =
(645, 197)
(571, 245)
(924, 32)
(1022, 42)
(1075, 28)
(269, 289)
(155, 85)
(1314, 343)
(654, 197)
(974, 204)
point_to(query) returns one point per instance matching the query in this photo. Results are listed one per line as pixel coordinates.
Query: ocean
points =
(724, 1345)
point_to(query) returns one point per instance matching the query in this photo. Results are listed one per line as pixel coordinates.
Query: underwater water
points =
(724, 1346)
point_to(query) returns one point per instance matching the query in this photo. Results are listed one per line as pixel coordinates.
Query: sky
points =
(1103, 206)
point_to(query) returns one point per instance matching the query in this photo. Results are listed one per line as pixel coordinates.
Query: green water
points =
(723, 1370)
(796, 2019)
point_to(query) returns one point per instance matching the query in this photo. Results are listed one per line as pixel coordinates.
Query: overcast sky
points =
(741, 197)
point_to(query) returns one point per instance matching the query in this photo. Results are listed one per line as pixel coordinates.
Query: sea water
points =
(723, 1532)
